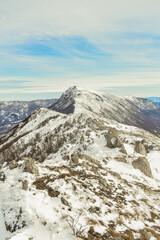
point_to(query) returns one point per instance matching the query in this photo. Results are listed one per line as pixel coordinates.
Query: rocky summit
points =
(82, 169)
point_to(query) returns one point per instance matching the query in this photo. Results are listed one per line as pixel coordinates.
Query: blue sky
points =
(48, 46)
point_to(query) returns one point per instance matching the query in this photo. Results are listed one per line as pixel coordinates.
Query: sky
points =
(106, 45)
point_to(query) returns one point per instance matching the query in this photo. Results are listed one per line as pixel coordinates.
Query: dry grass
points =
(155, 234)
(91, 221)
(127, 235)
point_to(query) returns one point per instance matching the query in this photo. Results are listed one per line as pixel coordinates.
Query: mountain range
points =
(156, 100)
(13, 112)
(87, 167)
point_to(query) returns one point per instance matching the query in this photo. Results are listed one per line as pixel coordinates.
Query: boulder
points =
(140, 148)
(30, 166)
(52, 192)
(143, 165)
(113, 140)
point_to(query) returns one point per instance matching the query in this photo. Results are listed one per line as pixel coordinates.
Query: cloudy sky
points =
(47, 46)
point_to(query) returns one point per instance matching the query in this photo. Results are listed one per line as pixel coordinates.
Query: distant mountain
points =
(156, 100)
(13, 112)
(123, 109)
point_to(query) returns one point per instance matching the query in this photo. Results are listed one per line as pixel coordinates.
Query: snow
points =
(129, 148)
(154, 160)
(3, 231)
(37, 209)
(101, 189)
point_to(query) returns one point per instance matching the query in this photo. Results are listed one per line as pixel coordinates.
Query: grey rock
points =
(25, 185)
(140, 148)
(65, 202)
(52, 192)
(74, 158)
(113, 140)
(13, 164)
(143, 165)
(121, 159)
(30, 166)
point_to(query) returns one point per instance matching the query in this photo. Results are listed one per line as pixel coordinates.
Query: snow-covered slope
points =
(79, 176)
(13, 112)
(128, 110)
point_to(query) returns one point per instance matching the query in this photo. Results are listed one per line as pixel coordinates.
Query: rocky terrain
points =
(13, 112)
(79, 175)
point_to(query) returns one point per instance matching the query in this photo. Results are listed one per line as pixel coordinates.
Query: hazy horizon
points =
(56, 95)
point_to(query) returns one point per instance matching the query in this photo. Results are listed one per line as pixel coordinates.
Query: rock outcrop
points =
(30, 166)
(13, 164)
(114, 141)
(143, 165)
(140, 148)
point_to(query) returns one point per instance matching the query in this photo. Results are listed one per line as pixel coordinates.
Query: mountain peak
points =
(123, 109)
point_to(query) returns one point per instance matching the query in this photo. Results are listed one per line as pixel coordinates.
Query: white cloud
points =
(103, 22)
(21, 19)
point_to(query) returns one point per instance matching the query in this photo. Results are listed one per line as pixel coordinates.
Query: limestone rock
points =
(13, 164)
(113, 140)
(140, 148)
(121, 159)
(143, 165)
(74, 158)
(89, 158)
(65, 202)
(148, 235)
(30, 166)
(25, 185)
(52, 192)
(66, 157)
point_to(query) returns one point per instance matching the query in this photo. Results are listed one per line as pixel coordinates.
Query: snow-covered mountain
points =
(79, 176)
(127, 110)
(13, 112)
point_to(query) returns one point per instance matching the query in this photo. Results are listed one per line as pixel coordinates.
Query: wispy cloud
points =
(51, 45)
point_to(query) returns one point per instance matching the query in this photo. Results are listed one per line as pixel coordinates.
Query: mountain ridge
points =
(79, 176)
(127, 110)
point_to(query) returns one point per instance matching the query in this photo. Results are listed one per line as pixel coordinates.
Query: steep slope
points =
(13, 112)
(127, 110)
(79, 176)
